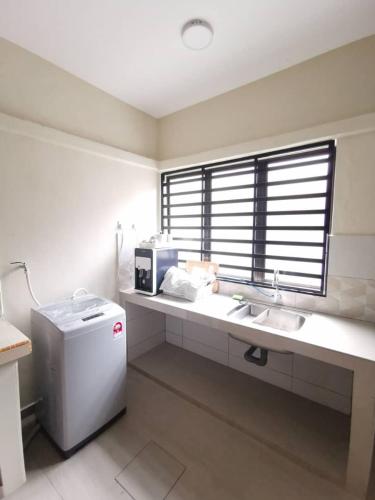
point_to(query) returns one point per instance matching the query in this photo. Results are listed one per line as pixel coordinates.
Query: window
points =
(256, 214)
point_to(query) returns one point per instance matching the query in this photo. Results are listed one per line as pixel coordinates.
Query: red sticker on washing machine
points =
(117, 329)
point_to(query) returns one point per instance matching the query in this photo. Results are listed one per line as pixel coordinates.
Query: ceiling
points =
(132, 49)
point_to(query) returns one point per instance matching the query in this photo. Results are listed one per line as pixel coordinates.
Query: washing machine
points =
(79, 348)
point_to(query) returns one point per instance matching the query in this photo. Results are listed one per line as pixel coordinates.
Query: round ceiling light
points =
(197, 34)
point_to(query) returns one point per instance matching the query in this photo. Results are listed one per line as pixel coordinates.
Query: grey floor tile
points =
(152, 473)
(37, 487)
(307, 431)
(221, 462)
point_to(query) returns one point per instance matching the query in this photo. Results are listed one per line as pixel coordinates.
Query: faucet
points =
(275, 284)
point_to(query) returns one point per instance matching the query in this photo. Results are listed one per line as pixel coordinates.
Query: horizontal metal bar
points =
(171, 228)
(206, 203)
(247, 200)
(215, 166)
(200, 177)
(238, 164)
(234, 174)
(306, 163)
(291, 228)
(270, 228)
(303, 180)
(250, 255)
(277, 155)
(268, 271)
(194, 191)
(248, 214)
(271, 271)
(215, 240)
(181, 173)
(191, 216)
(311, 153)
(315, 291)
(264, 242)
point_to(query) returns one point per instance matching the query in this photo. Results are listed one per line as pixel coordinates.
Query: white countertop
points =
(340, 341)
(13, 343)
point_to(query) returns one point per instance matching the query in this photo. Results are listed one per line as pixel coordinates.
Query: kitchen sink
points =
(267, 315)
(249, 311)
(280, 319)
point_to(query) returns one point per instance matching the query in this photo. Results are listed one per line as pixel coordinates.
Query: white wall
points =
(59, 205)
(333, 86)
(34, 89)
(354, 186)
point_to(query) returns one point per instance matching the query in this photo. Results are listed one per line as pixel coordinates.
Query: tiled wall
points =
(320, 382)
(348, 297)
(351, 282)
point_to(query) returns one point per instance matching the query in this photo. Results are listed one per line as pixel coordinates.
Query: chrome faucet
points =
(275, 284)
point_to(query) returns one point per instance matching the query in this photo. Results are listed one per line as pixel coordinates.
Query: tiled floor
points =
(169, 447)
(294, 426)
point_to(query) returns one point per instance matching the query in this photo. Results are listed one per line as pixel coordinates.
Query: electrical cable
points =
(23, 265)
(263, 293)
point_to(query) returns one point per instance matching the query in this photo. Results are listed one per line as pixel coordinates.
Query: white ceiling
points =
(132, 49)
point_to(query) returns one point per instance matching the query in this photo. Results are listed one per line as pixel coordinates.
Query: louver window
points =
(256, 214)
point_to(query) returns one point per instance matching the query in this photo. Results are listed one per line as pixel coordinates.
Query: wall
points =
(60, 200)
(36, 90)
(336, 85)
(355, 185)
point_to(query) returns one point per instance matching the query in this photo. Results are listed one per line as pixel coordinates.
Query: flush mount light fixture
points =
(197, 34)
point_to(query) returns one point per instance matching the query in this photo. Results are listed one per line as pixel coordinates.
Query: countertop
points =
(340, 341)
(13, 343)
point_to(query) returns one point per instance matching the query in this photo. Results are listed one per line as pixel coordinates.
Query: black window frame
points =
(259, 164)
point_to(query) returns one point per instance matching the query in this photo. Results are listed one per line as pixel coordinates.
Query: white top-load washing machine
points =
(79, 348)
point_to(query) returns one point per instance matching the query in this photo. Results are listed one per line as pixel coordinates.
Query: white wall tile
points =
(173, 324)
(323, 396)
(206, 335)
(344, 250)
(133, 311)
(144, 327)
(262, 372)
(174, 339)
(333, 378)
(276, 361)
(145, 346)
(205, 351)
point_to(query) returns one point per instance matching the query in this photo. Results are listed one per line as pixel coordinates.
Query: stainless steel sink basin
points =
(280, 319)
(250, 311)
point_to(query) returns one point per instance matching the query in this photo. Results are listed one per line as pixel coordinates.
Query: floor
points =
(301, 430)
(170, 446)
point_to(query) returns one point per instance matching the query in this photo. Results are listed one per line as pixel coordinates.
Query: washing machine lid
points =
(71, 310)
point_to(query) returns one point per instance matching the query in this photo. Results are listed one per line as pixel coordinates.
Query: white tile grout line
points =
(52, 485)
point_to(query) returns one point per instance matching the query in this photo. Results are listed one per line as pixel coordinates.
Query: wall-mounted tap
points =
(275, 284)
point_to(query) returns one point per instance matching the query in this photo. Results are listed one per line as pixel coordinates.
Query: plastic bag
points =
(190, 286)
